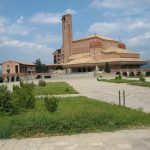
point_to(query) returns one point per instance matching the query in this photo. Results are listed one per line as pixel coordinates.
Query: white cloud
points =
(3, 23)
(45, 18)
(140, 41)
(114, 4)
(104, 28)
(49, 18)
(17, 29)
(119, 26)
(119, 4)
(141, 44)
(139, 25)
(70, 11)
(22, 49)
(20, 20)
(46, 39)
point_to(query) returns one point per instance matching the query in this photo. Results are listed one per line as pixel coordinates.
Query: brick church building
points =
(85, 54)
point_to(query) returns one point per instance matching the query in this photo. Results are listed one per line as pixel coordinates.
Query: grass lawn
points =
(74, 115)
(130, 82)
(54, 88)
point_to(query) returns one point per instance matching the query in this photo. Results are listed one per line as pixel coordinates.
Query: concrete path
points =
(136, 97)
(121, 140)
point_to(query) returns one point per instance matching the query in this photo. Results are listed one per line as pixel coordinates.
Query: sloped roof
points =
(81, 61)
(97, 36)
(118, 50)
(81, 55)
(90, 60)
(19, 62)
(120, 59)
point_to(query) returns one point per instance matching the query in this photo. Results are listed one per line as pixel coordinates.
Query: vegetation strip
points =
(130, 82)
(73, 115)
(54, 88)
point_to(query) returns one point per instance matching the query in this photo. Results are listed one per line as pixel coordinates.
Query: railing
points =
(25, 74)
(124, 70)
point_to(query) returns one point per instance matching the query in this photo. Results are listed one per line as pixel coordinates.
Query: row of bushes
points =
(22, 98)
(141, 77)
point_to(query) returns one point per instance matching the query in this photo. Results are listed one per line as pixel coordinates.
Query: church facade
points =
(85, 54)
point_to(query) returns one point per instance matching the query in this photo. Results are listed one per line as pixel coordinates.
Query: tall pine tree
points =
(107, 68)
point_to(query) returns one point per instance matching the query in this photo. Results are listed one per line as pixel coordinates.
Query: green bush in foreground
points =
(51, 103)
(6, 105)
(14, 102)
(23, 96)
(141, 78)
(42, 83)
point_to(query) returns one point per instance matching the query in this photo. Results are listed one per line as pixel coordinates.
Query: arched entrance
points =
(17, 78)
(117, 73)
(12, 79)
(39, 77)
(7, 79)
(138, 73)
(147, 74)
(131, 74)
(125, 74)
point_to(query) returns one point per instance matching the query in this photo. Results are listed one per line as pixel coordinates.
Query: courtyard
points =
(137, 97)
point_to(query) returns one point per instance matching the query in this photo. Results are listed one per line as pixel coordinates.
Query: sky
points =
(31, 29)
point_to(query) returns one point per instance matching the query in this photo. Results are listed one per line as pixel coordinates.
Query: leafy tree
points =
(40, 67)
(107, 68)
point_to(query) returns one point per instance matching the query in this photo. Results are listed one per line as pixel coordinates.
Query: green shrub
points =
(118, 77)
(141, 78)
(67, 89)
(51, 103)
(42, 83)
(15, 87)
(23, 97)
(6, 105)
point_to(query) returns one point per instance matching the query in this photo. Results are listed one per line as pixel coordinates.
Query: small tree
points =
(40, 67)
(107, 68)
(141, 78)
(51, 103)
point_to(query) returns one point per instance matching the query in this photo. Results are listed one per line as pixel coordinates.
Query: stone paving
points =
(120, 140)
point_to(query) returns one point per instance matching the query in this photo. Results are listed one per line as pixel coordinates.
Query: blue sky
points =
(31, 29)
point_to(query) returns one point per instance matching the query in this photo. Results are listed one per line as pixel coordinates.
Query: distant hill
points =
(146, 66)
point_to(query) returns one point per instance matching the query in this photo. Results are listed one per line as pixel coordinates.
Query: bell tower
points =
(67, 36)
